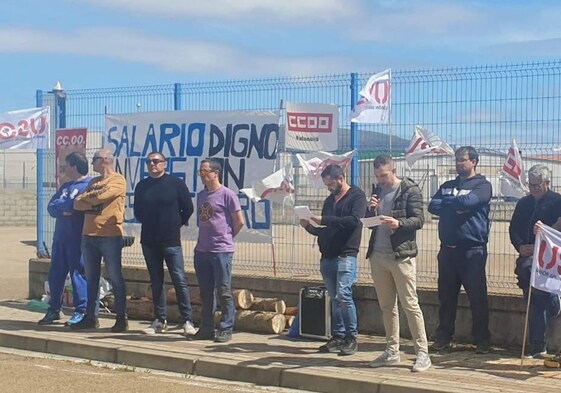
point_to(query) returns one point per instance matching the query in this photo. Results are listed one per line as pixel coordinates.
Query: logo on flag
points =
(546, 265)
(512, 176)
(25, 129)
(424, 142)
(374, 104)
(313, 164)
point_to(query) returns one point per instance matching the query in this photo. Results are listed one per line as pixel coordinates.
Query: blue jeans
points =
(456, 267)
(155, 256)
(109, 248)
(214, 272)
(67, 258)
(543, 306)
(339, 275)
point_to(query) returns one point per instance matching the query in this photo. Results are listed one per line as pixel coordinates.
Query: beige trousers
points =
(395, 278)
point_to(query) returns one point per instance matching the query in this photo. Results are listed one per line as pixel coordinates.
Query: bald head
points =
(102, 162)
(106, 154)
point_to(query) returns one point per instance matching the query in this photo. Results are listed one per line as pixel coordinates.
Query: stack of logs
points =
(253, 314)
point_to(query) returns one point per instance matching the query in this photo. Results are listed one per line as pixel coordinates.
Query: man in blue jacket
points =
(339, 237)
(542, 205)
(66, 254)
(463, 206)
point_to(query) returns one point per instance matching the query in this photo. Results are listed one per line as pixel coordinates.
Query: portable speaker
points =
(315, 313)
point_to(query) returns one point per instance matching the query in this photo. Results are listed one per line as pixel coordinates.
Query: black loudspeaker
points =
(315, 313)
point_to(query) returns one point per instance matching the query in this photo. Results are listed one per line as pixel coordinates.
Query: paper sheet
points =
(304, 213)
(372, 221)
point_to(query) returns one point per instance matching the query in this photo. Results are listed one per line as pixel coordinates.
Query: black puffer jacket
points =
(407, 208)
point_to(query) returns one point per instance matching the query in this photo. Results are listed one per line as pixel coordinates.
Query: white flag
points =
(375, 102)
(25, 129)
(424, 142)
(314, 164)
(546, 265)
(277, 187)
(512, 176)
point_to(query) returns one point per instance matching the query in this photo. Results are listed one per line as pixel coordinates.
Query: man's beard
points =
(337, 189)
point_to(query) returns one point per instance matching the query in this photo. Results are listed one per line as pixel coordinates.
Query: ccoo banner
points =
(68, 140)
(244, 141)
(312, 127)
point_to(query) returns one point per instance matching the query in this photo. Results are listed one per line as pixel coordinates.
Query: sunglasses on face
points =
(96, 158)
(154, 161)
(203, 172)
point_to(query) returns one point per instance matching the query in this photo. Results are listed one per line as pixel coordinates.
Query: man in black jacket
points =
(162, 204)
(463, 205)
(392, 250)
(339, 241)
(541, 205)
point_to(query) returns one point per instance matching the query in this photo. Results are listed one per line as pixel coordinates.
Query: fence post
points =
(354, 130)
(177, 101)
(41, 252)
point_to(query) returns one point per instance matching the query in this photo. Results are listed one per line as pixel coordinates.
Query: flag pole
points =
(525, 326)
(390, 113)
(281, 104)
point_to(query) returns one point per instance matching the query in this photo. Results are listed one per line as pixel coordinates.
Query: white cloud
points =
(188, 56)
(285, 10)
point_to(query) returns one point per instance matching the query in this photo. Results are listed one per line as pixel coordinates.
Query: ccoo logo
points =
(380, 92)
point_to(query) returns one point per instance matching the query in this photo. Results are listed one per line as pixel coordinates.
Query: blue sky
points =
(116, 43)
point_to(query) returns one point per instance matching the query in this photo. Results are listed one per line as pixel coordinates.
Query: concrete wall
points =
(18, 207)
(506, 311)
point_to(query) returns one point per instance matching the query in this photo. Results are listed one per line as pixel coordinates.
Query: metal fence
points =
(483, 106)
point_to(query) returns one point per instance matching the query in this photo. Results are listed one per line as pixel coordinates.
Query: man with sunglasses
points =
(103, 203)
(162, 204)
(463, 206)
(220, 219)
(541, 205)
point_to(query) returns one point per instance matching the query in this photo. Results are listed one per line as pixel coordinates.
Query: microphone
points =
(373, 194)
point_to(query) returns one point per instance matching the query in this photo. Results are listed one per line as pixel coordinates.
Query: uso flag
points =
(424, 142)
(546, 265)
(512, 176)
(374, 104)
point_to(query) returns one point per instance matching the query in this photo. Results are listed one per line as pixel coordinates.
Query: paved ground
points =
(62, 374)
(17, 246)
(278, 361)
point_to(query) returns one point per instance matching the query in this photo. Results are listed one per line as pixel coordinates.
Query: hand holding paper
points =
(304, 213)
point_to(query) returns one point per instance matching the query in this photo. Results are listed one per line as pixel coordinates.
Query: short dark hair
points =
(470, 151)
(78, 160)
(214, 164)
(333, 171)
(156, 152)
(383, 159)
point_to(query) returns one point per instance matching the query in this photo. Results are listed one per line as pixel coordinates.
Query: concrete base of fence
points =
(506, 311)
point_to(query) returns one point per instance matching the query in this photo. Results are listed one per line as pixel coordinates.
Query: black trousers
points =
(457, 267)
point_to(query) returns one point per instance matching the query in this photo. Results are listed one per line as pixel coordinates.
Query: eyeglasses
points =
(535, 186)
(460, 160)
(97, 158)
(154, 161)
(203, 172)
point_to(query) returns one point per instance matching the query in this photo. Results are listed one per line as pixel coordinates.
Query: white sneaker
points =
(385, 359)
(422, 363)
(189, 329)
(156, 326)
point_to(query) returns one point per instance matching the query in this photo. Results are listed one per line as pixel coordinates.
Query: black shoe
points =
(121, 324)
(85, 323)
(441, 345)
(50, 317)
(349, 347)
(201, 336)
(483, 348)
(223, 337)
(333, 345)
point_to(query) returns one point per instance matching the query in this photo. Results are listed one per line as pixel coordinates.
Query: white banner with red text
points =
(25, 129)
(312, 127)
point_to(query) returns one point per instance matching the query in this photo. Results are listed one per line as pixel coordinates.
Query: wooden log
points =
(289, 320)
(243, 299)
(268, 304)
(291, 311)
(194, 296)
(259, 321)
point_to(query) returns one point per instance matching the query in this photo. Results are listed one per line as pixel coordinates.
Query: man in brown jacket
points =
(103, 202)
